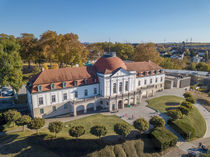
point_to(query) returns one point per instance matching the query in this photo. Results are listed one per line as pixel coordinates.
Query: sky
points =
(115, 20)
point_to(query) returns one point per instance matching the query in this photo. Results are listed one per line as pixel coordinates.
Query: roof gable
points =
(120, 72)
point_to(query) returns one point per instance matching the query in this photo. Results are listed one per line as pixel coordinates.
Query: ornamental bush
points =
(12, 116)
(187, 95)
(187, 104)
(98, 130)
(163, 138)
(141, 124)
(122, 129)
(191, 100)
(184, 110)
(157, 121)
(77, 131)
(174, 114)
(55, 127)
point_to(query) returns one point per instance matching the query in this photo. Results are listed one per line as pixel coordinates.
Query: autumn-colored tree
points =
(27, 43)
(145, 52)
(124, 51)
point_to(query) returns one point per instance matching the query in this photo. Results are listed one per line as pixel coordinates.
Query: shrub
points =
(98, 130)
(36, 123)
(184, 110)
(24, 120)
(12, 116)
(163, 138)
(77, 131)
(122, 129)
(45, 66)
(174, 114)
(187, 105)
(183, 128)
(157, 121)
(187, 95)
(209, 94)
(141, 124)
(55, 127)
(191, 100)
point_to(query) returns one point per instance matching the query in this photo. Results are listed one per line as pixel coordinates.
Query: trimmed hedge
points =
(184, 129)
(163, 138)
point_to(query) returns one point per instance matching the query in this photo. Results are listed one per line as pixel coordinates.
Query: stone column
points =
(75, 110)
(94, 106)
(85, 108)
(110, 106)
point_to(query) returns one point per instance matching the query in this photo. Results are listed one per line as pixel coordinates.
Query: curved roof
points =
(109, 63)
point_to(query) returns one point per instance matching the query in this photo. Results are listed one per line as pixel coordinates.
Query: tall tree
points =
(145, 52)
(124, 51)
(27, 43)
(10, 62)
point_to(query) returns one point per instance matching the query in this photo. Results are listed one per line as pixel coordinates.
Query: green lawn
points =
(88, 122)
(28, 144)
(164, 102)
(194, 118)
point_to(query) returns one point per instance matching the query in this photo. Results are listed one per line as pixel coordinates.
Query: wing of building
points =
(108, 85)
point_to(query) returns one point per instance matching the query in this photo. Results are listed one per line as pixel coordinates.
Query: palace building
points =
(109, 85)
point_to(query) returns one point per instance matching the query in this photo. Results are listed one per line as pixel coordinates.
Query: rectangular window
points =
(139, 83)
(41, 102)
(151, 81)
(156, 80)
(76, 94)
(64, 96)
(145, 82)
(114, 88)
(65, 106)
(41, 111)
(120, 87)
(54, 108)
(53, 98)
(95, 90)
(86, 81)
(161, 79)
(86, 92)
(75, 83)
(126, 86)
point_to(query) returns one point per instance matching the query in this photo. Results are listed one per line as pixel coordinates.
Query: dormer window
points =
(64, 84)
(151, 72)
(156, 71)
(145, 73)
(86, 81)
(52, 86)
(161, 71)
(138, 74)
(75, 83)
(39, 88)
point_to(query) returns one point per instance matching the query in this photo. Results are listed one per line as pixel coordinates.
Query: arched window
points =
(39, 88)
(120, 87)
(114, 88)
(52, 86)
(64, 84)
(126, 86)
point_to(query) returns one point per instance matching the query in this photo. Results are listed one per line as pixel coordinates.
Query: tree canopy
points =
(98, 130)
(23, 120)
(10, 62)
(157, 121)
(122, 129)
(141, 124)
(77, 131)
(55, 127)
(36, 123)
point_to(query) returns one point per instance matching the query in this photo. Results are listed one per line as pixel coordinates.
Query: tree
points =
(145, 52)
(10, 62)
(157, 121)
(36, 123)
(12, 116)
(141, 124)
(184, 110)
(55, 127)
(98, 130)
(203, 67)
(124, 51)
(122, 129)
(27, 43)
(77, 131)
(23, 120)
(174, 114)
(187, 104)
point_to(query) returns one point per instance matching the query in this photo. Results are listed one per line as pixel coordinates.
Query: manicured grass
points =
(28, 144)
(88, 122)
(164, 102)
(194, 118)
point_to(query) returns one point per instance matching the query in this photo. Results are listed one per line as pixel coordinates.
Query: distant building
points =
(177, 81)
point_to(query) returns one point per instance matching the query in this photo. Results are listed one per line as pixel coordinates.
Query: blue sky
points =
(119, 20)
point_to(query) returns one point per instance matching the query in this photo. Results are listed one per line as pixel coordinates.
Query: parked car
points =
(5, 91)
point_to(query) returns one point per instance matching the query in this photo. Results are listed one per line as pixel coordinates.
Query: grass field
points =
(27, 144)
(194, 118)
(164, 103)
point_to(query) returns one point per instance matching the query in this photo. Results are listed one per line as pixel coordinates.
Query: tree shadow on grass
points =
(172, 104)
(149, 146)
(171, 108)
